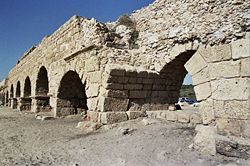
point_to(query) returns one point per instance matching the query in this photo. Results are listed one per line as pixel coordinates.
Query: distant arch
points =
(11, 91)
(42, 83)
(27, 87)
(71, 97)
(18, 89)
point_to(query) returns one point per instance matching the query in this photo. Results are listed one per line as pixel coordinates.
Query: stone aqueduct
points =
(137, 64)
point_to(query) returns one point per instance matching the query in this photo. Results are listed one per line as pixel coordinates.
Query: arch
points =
(11, 91)
(42, 83)
(71, 97)
(41, 91)
(18, 89)
(27, 87)
(7, 98)
(174, 73)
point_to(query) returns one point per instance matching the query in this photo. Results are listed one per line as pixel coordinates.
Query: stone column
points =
(13, 103)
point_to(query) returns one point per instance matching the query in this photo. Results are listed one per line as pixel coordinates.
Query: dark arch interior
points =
(175, 72)
(71, 96)
(42, 89)
(27, 87)
(42, 83)
(11, 91)
(18, 89)
(7, 98)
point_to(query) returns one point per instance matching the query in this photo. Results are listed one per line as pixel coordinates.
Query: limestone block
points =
(93, 90)
(195, 63)
(95, 77)
(139, 94)
(115, 70)
(202, 91)
(114, 104)
(160, 114)
(245, 67)
(151, 114)
(216, 53)
(230, 89)
(232, 109)
(225, 69)
(134, 114)
(201, 77)
(241, 48)
(113, 117)
(171, 116)
(207, 111)
(114, 86)
(228, 127)
(195, 118)
(183, 117)
(147, 81)
(245, 125)
(204, 141)
(116, 93)
(93, 116)
(92, 103)
(142, 74)
(133, 86)
(156, 107)
(92, 64)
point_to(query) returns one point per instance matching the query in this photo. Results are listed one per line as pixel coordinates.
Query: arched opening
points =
(27, 87)
(42, 89)
(18, 89)
(25, 103)
(71, 97)
(42, 83)
(176, 75)
(11, 91)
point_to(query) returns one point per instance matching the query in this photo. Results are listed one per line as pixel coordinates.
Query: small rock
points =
(148, 121)
(124, 131)
(47, 118)
(191, 146)
(39, 117)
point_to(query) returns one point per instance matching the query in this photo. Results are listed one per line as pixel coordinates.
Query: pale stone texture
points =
(245, 67)
(139, 64)
(225, 69)
(202, 91)
(241, 49)
(230, 89)
(204, 141)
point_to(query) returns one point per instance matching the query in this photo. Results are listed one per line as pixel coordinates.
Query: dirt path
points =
(27, 141)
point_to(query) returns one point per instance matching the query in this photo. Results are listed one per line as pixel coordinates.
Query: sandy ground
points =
(25, 140)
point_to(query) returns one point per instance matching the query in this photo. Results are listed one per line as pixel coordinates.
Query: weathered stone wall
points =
(222, 84)
(137, 63)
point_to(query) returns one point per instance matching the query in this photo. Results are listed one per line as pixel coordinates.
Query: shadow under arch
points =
(25, 102)
(41, 92)
(71, 97)
(18, 89)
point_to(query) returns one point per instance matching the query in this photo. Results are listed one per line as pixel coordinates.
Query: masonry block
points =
(245, 67)
(195, 64)
(202, 91)
(113, 117)
(113, 104)
(225, 69)
(230, 89)
(216, 53)
(241, 48)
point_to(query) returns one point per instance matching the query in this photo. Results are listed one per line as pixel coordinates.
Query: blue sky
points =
(24, 23)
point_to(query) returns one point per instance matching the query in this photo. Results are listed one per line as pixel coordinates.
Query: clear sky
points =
(24, 23)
